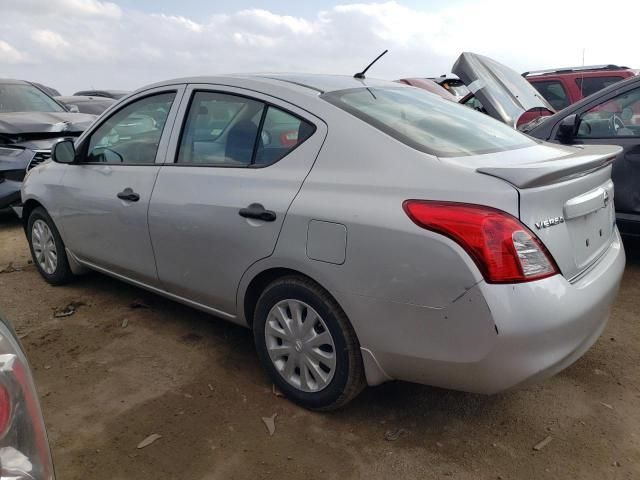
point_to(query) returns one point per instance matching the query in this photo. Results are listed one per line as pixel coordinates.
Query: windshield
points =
(15, 97)
(428, 123)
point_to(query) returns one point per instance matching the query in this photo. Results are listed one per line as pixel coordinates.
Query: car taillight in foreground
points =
(24, 449)
(503, 248)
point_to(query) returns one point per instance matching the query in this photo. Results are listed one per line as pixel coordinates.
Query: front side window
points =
(553, 91)
(591, 85)
(617, 117)
(233, 131)
(132, 134)
(428, 123)
(15, 97)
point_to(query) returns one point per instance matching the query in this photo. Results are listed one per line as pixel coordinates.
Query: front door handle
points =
(257, 211)
(128, 195)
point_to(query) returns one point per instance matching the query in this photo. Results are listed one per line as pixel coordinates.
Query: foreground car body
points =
(362, 229)
(30, 122)
(24, 449)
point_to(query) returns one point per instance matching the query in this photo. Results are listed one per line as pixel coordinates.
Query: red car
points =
(564, 86)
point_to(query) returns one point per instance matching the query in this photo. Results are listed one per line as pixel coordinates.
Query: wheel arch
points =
(29, 206)
(259, 282)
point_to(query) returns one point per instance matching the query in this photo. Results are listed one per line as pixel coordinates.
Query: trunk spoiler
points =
(555, 170)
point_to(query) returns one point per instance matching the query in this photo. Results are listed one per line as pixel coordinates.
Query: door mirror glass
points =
(568, 128)
(73, 108)
(64, 152)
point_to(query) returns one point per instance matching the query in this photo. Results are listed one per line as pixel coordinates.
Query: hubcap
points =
(300, 345)
(44, 246)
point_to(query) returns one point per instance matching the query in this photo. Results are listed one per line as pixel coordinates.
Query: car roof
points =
(11, 81)
(313, 84)
(83, 98)
(570, 70)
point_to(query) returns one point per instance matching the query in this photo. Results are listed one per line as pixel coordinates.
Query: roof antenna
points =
(361, 74)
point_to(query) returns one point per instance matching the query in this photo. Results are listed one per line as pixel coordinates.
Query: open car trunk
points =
(566, 198)
(504, 93)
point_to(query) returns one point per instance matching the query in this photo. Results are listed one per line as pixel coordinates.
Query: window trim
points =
(267, 104)
(84, 146)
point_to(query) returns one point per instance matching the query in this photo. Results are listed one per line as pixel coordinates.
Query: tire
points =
(316, 384)
(57, 274)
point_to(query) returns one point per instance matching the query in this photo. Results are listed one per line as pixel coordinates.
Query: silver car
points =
(365, 230)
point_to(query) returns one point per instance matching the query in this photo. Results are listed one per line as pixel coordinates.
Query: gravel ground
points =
(111, 375)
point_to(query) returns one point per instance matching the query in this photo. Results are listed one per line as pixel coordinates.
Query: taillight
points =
(503, 248)
(5, 409)
(24, 449)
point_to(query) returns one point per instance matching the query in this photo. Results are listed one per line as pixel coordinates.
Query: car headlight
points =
(24, 448)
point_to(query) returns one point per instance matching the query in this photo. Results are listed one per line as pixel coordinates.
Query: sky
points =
(125, 44)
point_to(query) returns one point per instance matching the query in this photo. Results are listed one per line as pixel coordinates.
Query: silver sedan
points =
(364, 230)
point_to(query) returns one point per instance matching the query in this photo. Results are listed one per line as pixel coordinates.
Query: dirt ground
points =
(111, 375)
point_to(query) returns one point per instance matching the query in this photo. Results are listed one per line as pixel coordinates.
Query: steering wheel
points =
(616, 123)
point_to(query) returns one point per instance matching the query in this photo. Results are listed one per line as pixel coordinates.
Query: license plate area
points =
(591, 234)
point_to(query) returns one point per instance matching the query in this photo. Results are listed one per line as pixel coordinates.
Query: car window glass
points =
(220, 129)
(553, 91)
(132, 134)
(281, 133)
(427, 122)
(16, 97)
(589, 85)
(617, 117)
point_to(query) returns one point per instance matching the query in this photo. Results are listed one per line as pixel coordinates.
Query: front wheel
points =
(307, 344)
(47, 248)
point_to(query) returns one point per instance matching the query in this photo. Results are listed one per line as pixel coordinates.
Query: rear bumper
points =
(495, 336)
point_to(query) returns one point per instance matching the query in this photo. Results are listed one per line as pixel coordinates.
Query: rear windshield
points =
(15, 97)
(428, 123)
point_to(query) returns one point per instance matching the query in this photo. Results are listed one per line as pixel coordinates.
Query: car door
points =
(107, 190)
(615, 120)
(220, 200)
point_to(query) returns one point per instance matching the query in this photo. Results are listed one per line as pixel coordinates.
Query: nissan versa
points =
(364, 230)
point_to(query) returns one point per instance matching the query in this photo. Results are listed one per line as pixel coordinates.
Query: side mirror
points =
(568, 128)
(73, 108)
(64, 152)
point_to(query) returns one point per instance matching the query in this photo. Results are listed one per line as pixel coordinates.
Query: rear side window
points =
(233, 131)
(553, 91)
(591, 85)
(428, 123)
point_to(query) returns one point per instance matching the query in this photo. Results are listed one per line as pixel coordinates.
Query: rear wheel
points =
(307, 344)
(47, 248)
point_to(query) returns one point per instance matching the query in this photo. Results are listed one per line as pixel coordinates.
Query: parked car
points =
(91, 105)
(610, 116)
(402, 236)
(114, 94)
(451, 84)
(564, 86)
(30, 122)
(52, 92)
(499, 91)
(429, 86)
(24, 448)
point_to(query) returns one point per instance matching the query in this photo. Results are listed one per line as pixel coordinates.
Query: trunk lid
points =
(566, 198)
(504, 93)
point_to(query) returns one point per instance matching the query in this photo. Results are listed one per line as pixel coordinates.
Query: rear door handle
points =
(257, 211)
(128, 195)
